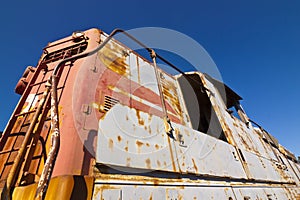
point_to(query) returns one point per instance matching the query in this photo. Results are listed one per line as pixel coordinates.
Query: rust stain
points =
(158, 163)
(156, 182)
(110, 144)
(180, 197)
(234, 123)
(139, 143)
(113, 56)
(128, 162)
(225, 127)
(156, 146)
(186, 132)
(145, 179)
(119, 138)
(171, 96)
(147, 144)
(194, 164)
(150, 197)
(126, 147)
(165, 164)
(140, 120)
(172, 156)
(148, 163)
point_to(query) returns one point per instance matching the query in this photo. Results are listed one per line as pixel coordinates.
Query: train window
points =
(231, 100)
(199, 107)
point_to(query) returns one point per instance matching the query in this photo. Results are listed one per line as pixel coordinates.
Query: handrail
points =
(53, 45)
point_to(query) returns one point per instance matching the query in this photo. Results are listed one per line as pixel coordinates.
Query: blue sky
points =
(254, 44)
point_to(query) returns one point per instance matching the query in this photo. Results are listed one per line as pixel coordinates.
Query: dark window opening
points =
(202, 115)
(66, 52)
(230, 99)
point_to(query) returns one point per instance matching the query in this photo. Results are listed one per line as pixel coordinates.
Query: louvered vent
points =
(109, 102)
(66, 52)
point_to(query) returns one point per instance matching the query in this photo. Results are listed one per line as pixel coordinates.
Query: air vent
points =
(109, 102)
(66, 52)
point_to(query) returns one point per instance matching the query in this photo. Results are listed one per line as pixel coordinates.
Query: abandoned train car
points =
(96, 120)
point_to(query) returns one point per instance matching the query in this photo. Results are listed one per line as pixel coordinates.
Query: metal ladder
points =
(36, 123)
(13, 136)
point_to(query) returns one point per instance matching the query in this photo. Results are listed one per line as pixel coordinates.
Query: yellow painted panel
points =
(61, 187)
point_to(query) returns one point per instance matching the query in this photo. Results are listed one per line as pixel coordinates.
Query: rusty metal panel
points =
(124, 141)
(243, 136)
(288, 169)
(141, 192)
(142, 73)
(113, 97)
(135, 139)
(138, 74)
(263, 169)
(109, 194)
(199, 153)
(257, 161)
(293, 170)
(269, 149)
(251, 140)
(133, 191)
(297, 166)
(261, 193)
(171, 93)
(279, 193)
(249, 193)
(131, 133)
(206, 193)
(143, 187)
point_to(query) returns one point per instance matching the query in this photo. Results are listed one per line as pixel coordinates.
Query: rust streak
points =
(172, 156)
(128, 162)
(158, 163)
(110, 144)
(148, 163)
(112, 55)
(140, 120)
(195, 166)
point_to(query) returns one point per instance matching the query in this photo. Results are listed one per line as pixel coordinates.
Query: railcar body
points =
(96, 120)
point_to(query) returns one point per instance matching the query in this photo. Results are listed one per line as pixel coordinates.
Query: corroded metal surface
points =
(111, 107)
